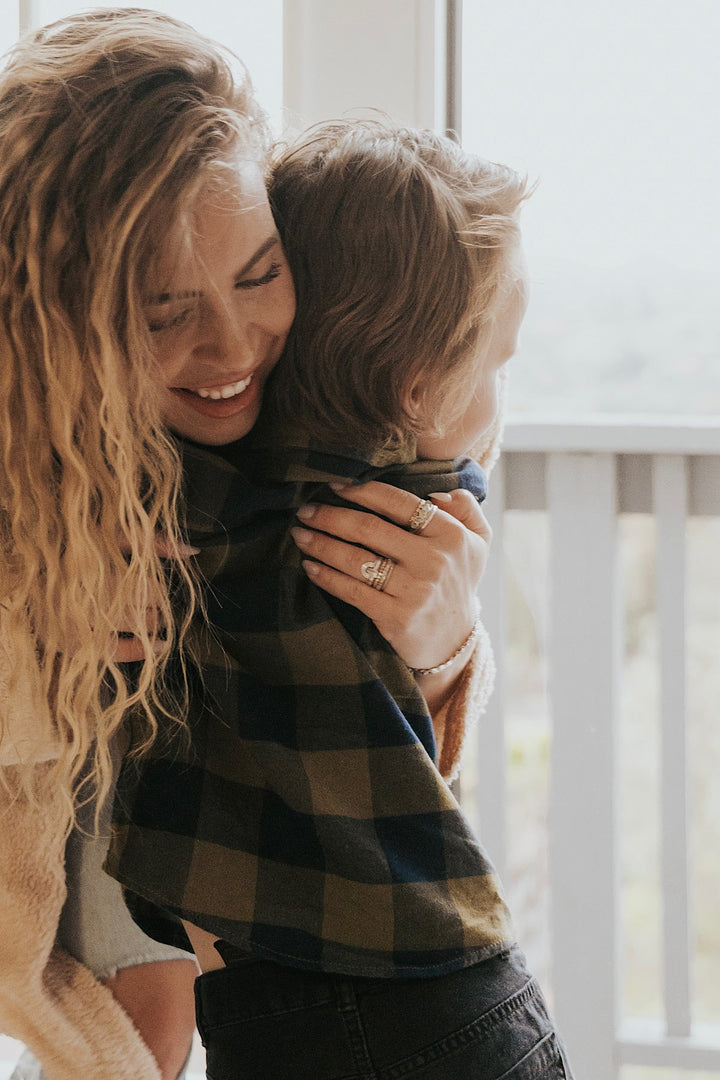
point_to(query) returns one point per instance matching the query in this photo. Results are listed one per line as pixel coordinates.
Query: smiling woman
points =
(221, 312)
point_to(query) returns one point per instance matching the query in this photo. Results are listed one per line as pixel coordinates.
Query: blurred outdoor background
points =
(613, 109)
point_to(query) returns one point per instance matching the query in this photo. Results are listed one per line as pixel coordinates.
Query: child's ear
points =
(414, 398)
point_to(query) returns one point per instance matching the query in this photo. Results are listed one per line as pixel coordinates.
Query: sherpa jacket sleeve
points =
(472, 690)
(48, 1000)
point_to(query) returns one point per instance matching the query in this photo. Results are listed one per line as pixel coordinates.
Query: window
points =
(253, 31)
(612, 107)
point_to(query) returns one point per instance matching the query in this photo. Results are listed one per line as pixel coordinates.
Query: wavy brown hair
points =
(398, 241)
(111, 123)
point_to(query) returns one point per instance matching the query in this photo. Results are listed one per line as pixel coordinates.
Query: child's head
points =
(403, 248)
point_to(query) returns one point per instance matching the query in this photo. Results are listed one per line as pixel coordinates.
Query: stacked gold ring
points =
(377, 571)
(423, 514)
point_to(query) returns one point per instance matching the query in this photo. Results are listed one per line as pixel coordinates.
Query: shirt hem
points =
(344, 961)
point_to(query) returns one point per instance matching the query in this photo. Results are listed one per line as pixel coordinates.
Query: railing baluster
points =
(584, 665)
(490, 773)
(670, 493)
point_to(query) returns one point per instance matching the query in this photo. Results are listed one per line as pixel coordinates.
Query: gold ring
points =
(422, 515)
(377, 571)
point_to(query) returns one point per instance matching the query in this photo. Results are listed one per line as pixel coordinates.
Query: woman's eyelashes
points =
(252, 283)
(155, 325)
(170, 320)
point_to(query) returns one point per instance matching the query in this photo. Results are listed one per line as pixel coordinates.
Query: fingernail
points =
(342, 485)
(440, 496)
(306, 512)
(311, 568)
(301, 536)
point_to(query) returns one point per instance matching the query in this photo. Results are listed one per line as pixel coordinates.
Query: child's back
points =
(313, 761)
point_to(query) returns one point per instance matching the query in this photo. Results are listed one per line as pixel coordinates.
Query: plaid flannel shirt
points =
(306, 821)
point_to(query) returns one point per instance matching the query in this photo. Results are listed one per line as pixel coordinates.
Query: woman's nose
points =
(222, 332)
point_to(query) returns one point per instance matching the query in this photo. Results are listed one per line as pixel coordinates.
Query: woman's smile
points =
(220, 318)
(227, 391)
(221, 402)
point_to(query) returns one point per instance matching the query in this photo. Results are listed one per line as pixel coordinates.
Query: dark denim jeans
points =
(262, 1021)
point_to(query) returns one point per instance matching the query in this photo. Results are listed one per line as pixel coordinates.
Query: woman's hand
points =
(427, 607)
(128, 646)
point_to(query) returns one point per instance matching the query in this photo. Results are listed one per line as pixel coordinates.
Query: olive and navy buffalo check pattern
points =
(306, 821)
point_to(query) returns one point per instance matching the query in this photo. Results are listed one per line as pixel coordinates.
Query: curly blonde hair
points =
(398, 241)
(111, 123)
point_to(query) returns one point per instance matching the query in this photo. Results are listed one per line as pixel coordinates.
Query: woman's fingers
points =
(378, 606)
(465, 508)
(357, 563)
(366, 531)
(401, 506)
(408, 511)
(421, 554)
(129, 647)
(427, 606)
(393, 503)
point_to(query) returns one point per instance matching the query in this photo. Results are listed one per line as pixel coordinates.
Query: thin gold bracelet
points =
(469, 640)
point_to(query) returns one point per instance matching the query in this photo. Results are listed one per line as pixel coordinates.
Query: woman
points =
(95, 175)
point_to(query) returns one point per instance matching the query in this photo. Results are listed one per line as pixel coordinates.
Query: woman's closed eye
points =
(170, 320)
(273, 271)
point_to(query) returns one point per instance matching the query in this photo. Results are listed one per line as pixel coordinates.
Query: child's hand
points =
(427, 606)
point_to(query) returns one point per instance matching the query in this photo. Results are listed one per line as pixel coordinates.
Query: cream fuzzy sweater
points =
(48, 1000)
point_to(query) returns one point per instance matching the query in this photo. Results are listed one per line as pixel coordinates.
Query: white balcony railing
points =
(584, 475)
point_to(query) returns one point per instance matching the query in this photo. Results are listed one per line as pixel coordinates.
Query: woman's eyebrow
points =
(191, 294)
(262, 250)
(166, 297)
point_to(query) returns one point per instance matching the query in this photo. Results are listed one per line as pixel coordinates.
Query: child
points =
(346, 918)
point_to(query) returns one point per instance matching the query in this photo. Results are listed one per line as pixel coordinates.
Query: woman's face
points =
(220, 312)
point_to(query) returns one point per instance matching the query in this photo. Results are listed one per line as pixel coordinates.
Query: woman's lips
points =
(238, 396)
(227, 390)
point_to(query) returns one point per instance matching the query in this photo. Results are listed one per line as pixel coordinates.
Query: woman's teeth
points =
(219, 393)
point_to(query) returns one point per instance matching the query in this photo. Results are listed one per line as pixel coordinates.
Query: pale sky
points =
(614, 107)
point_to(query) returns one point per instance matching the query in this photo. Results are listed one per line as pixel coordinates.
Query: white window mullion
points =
(342, 58)
(453, 66)
(24, 15)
